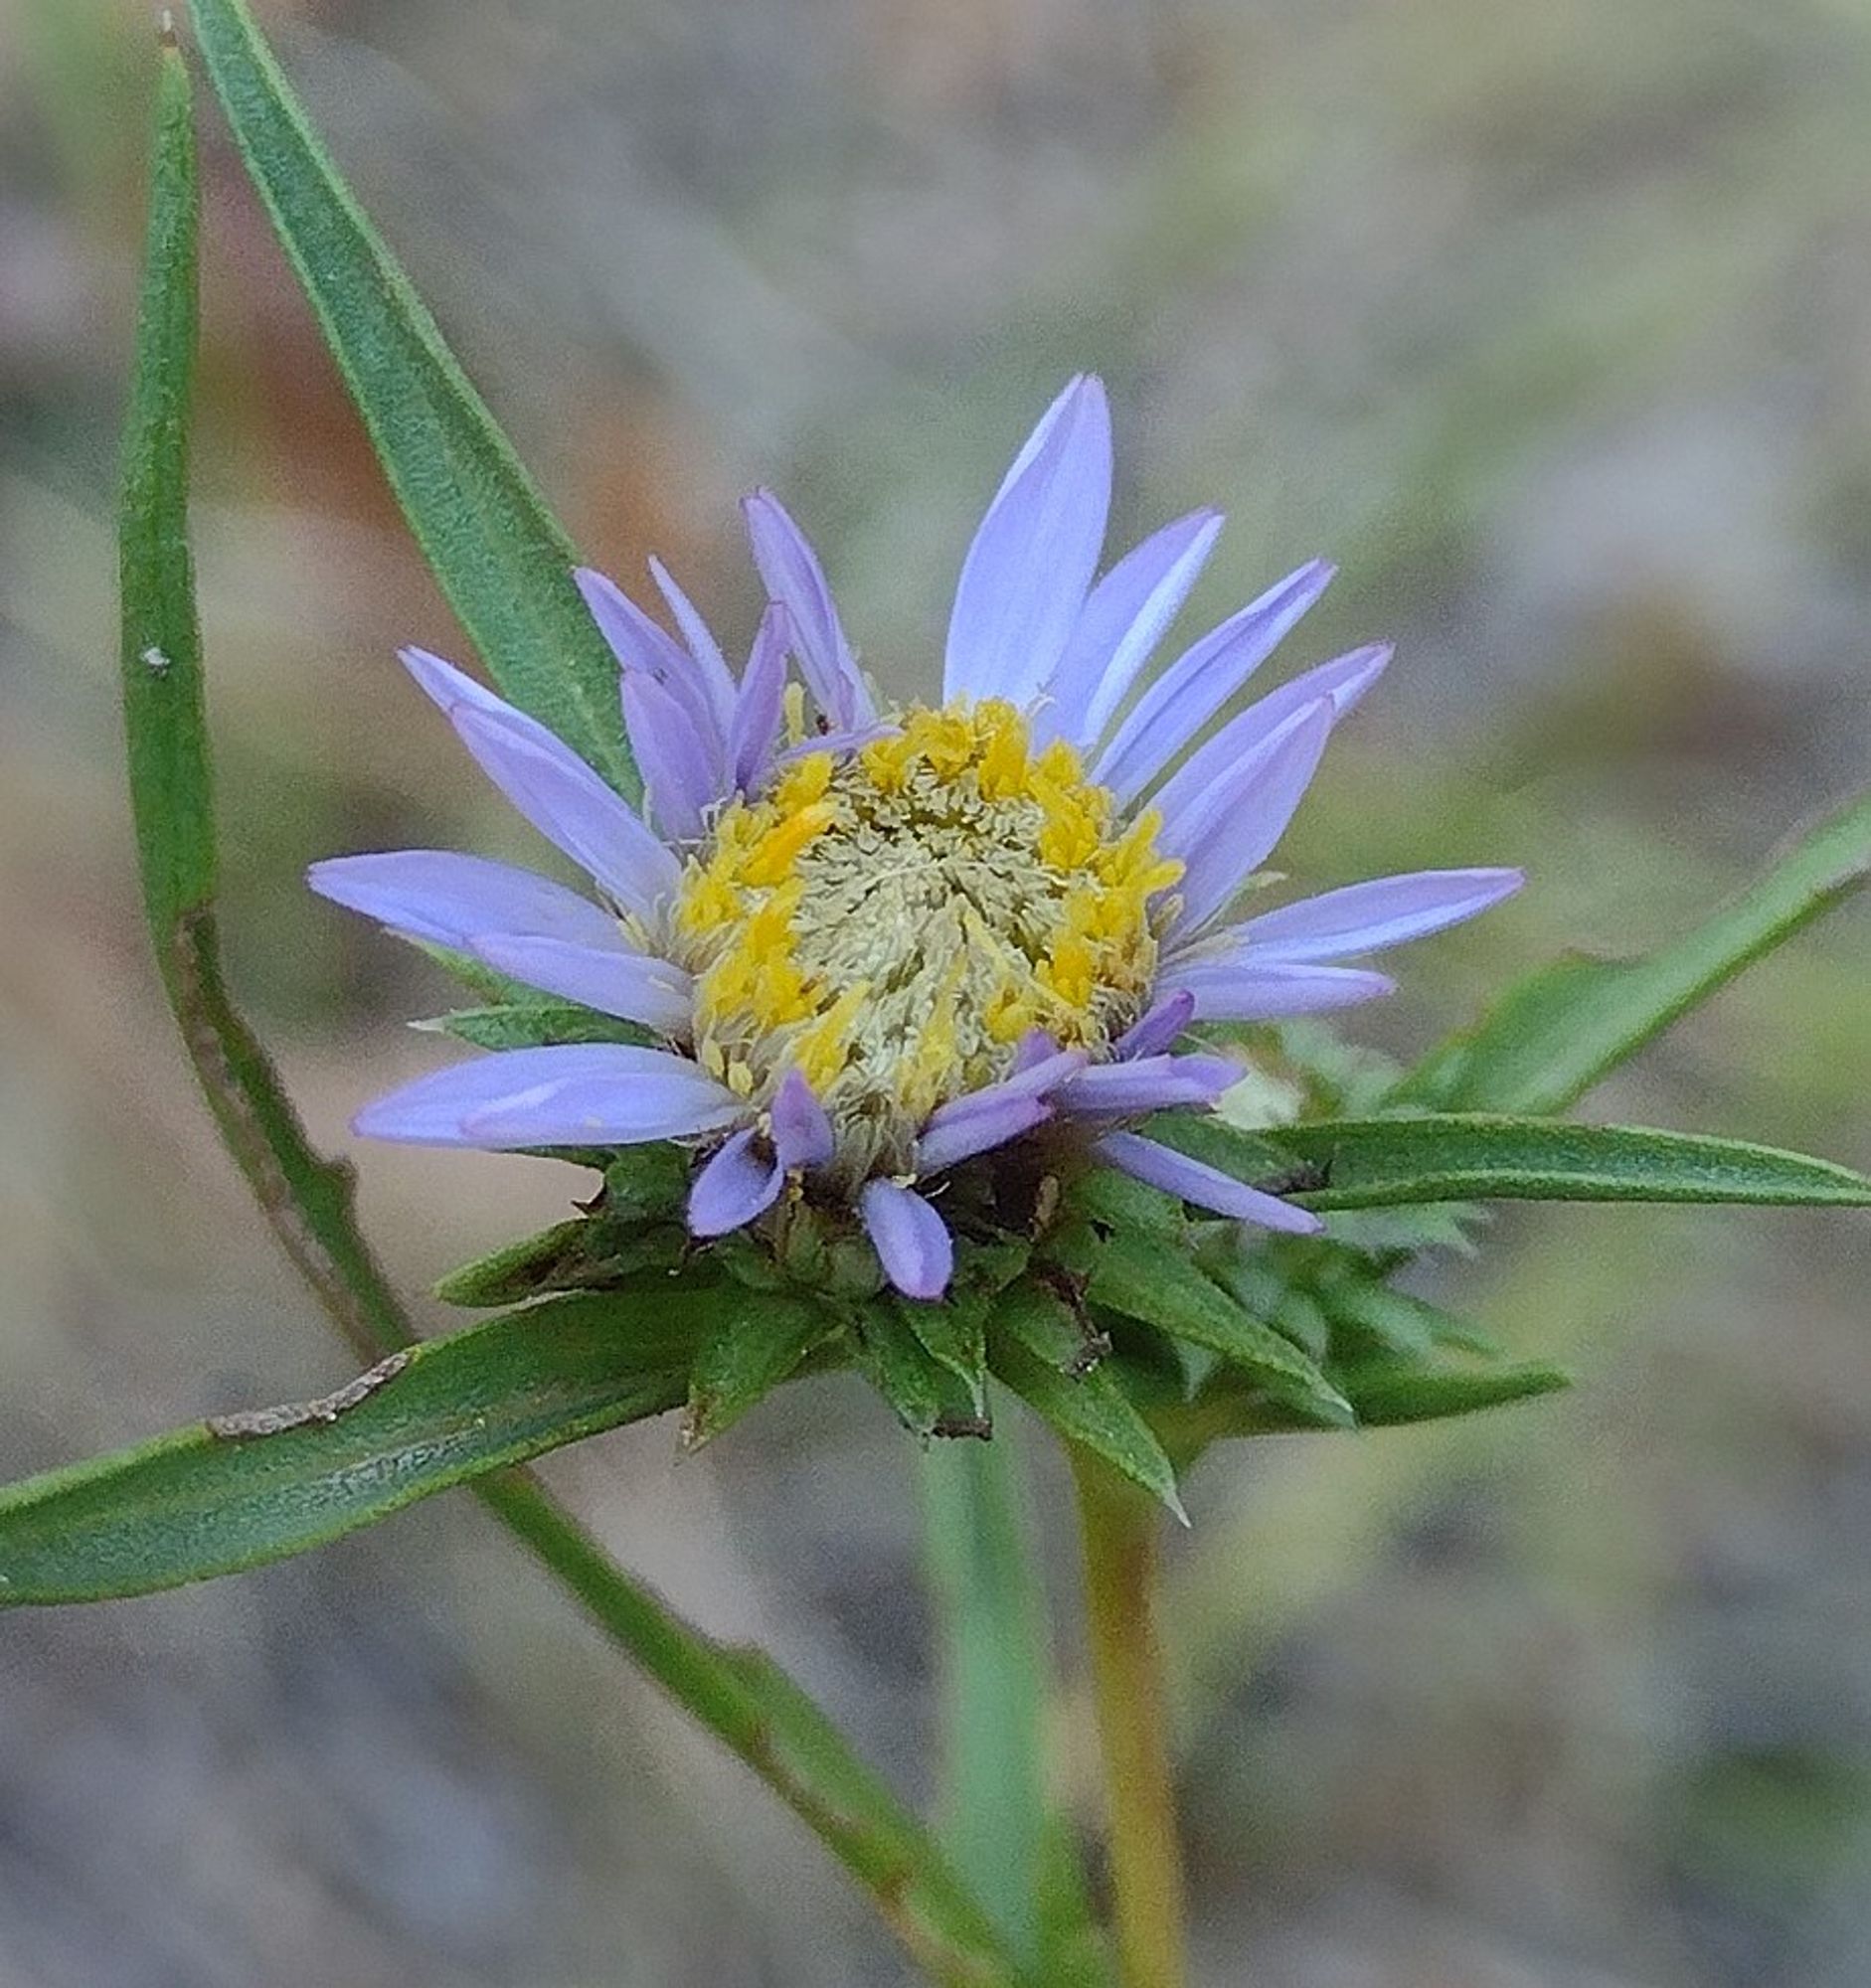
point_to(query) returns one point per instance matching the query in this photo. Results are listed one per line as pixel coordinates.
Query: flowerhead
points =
(868, 946)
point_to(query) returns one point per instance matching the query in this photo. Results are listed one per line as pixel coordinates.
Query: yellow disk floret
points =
(892, 922)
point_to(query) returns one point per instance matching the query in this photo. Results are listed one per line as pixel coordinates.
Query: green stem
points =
(1118, 1530)
(991, 1655)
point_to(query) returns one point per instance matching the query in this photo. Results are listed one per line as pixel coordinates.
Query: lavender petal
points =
(1023, 582)
(612, 979)
(590, 1093)
(978, 1131)
(644, 649)
(1226, 832)
(1387, 911)
(802, 1133)
(1120, 625)
(1157, 1029)
(572, 807)
(1149, 1083)
(794, 577)
(682, 779)
(912, 1240)
(1238, 987)
(451, 900)
(1196, 686)
(761, 697)
(1205, 1186)
(710, 666)
(734, 1186)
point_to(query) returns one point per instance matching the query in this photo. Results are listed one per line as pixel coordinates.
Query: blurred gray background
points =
(1552, 322)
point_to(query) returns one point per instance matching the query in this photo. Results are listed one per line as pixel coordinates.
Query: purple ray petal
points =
(1366, 917)
(450, 688)
(1151, 1084)
(1226, 832)
(1344, 680)
(802, 1133)
(1028, 1079)
(710, 666)
(451, 900)
(1237, 987)
(1207, 1187)
(1024, 579)
(682, 777)
(912, 1240)
(571, 806)
(794, 577)
(732, 1188)
(1157, 1027)
(837, 742)
(642, 649)
(579, 1094)
(1123, 620)
(980, 1131)
(761, 697)
(612, 979)
(1196, 686)
(1033, 1047)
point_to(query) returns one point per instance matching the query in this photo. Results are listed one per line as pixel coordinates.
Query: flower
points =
(873, 944)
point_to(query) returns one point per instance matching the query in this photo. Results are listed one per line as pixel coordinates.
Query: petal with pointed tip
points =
(1196, 686)
(1385, 911)
(451, 900)
(1023, 582)
(574, 1094)
(802, 1133)
(992, 1124)
(1238, 987)
(681, 777)
(1204, 1186)
(710, 666)
(793, 577)
(762, 698)
(1149, 1083)
(1156, 1030)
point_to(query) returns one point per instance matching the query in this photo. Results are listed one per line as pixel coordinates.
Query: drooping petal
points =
(761, 697)
(1207, 1187)
(1366, 917)
(802, 1132)
(1237, 987)
(642, 649)
(451, 900)
(1151, 1084)
(1344, 680)
(1196, 686)
(793, 577)
(912, 1240)
(1119, 626)
(1157, 1029)
(681, 777)
(613, 978)
(734, 1186)
(572, 807)
(1224, 832)
(577, 1094)
(710, 666)
(989, 1126)
(1024, 579)
(1033, 1076)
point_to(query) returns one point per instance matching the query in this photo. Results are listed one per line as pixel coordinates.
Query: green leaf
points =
(953, 1333)
(1160, 1284)
(756, 1340)
(242, 1490)
(1392, 1395)
(582, 1255)
(1114, 1200)
(1380, 1162)
(496, 552)
(171, 795)
(1088, 1408)
(526, 1025)
(899, 1368)
(1551, 1037)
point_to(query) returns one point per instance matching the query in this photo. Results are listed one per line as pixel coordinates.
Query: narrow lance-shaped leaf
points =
(495, 550)
(1384, 1162)
(244, 1490)
(1547, 1041)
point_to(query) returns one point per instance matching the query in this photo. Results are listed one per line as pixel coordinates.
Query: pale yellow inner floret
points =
(892, 921)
